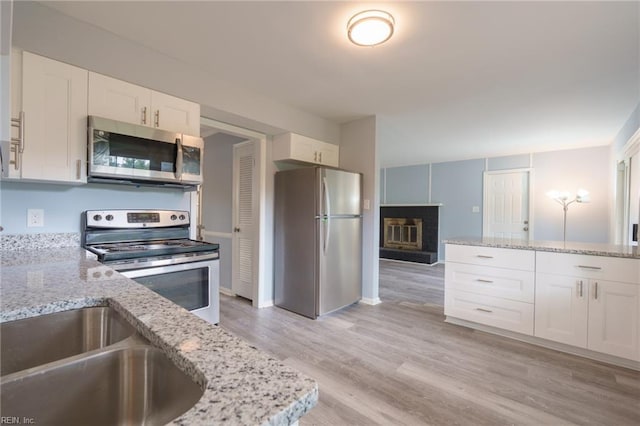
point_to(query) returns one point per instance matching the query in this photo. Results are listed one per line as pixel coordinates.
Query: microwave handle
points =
(179, 159)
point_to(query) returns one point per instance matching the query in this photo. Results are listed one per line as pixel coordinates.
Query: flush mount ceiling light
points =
(370, 28)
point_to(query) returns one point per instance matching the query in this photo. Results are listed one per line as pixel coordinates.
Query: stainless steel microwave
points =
(130, 153)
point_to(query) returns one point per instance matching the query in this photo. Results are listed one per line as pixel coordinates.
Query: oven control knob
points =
(109, 217)
(97, 217)
(182, 217)
(174, 217)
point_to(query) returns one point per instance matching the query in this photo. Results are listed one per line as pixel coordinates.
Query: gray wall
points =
(458, 186)
(62, 204)
(358, 152)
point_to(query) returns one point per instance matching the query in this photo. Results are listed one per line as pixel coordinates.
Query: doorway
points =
(222, 205)
(507, 204)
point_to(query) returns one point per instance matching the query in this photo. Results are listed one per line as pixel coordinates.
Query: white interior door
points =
(507, 204)
(244, 219)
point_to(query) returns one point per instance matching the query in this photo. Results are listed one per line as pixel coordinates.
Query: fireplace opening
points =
(409, 233)
(403, 233)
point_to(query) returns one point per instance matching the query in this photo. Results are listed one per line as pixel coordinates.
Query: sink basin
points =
(39, 340)
(124, 386)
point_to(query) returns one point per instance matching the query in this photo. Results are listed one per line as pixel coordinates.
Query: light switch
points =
(367, 204)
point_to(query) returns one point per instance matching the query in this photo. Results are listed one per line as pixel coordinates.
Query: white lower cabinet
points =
(585, 301)
(578, 302)
(592, 314)
(490, 286)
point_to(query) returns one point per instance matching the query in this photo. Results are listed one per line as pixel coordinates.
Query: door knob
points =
(236, 229)
(526, 228)
(526, 222)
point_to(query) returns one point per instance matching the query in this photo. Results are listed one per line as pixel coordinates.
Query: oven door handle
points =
(158, 270)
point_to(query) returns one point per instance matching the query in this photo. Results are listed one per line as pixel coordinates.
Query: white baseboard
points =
(227, 292)
(369, 301)
(266, 304)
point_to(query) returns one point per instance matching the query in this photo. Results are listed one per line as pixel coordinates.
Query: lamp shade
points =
(370, 28)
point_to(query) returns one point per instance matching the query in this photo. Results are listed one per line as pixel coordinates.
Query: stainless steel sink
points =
(88, 366)
(136, 385)
(35, 341)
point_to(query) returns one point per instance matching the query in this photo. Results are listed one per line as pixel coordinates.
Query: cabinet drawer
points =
(593, 267)
(489, 281)
(493, 311)
(489, 256)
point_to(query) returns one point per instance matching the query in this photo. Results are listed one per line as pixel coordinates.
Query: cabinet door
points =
(327, 154)
(54, 100)
(175, 114)
(561, 309)
(303, 149)
(119, 100)
(614, 323)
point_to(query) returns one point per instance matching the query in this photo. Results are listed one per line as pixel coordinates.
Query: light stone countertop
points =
(592, 249)
(242, 385)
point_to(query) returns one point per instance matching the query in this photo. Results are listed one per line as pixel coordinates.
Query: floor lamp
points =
(564, 199)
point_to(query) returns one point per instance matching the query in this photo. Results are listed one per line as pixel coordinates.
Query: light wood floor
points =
(399, 363)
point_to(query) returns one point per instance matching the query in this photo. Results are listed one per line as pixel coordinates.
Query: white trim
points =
(632, 146)
(262, 280)
(384, 187)
(485, 196)
(226, 291)
(531, 160)
(634, 365)
(228, 235)
(231, 129)
(430, 183)
(369, 301)
(264, 304)
(486, 164)
(412, 205)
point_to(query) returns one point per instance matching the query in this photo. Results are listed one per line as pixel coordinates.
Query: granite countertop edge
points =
(242, 385)
(592, 249)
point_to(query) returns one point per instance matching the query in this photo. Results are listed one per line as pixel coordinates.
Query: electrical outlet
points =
(35, 218)
(475, 209)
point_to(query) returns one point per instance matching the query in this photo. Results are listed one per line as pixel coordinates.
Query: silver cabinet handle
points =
(320, 157)
(595, 291)
(484, 281)
(78, 169)
(579, 286)
(144, 115)
(484, 310)
(592, 268)
(157, 118)
(17, 144)
(482, 256)
(315, 157)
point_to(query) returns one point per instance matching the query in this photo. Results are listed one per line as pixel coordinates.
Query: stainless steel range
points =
(153, 248)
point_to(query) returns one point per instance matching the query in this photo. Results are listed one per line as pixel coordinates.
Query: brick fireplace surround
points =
(428, 251)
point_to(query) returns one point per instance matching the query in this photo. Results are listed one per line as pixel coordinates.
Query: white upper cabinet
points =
(51, 139)
(298, 148)
(122, 101)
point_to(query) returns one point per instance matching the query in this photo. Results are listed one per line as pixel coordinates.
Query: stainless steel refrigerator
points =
(318, 240)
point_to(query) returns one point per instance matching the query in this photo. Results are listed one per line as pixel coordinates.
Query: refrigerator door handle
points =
(327, 203)
(327, 218)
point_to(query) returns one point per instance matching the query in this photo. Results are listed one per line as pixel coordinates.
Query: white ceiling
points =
(457, 80)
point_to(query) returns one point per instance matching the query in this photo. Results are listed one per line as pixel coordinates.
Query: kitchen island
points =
(242, 385)
(582, 298)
